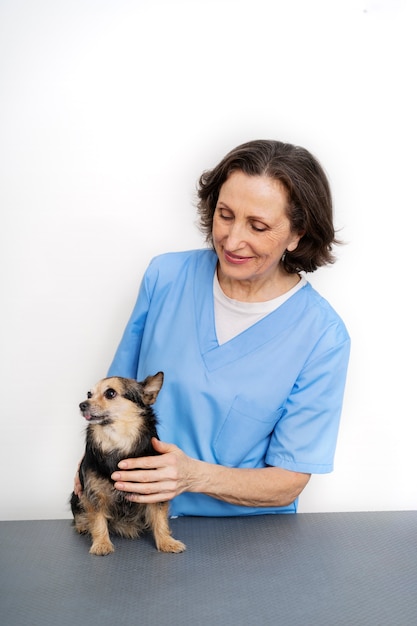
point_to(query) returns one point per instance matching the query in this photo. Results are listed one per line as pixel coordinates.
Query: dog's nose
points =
(83, 406)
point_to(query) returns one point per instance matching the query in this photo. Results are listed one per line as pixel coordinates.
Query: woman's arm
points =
(162, 477)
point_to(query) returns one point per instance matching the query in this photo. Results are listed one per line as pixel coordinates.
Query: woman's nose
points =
(235, 235)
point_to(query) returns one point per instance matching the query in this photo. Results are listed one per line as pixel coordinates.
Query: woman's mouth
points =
(236, 259)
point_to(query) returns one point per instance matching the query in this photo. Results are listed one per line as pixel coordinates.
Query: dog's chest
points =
(114, 438)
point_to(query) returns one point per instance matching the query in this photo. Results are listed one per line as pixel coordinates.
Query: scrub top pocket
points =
(246, 428)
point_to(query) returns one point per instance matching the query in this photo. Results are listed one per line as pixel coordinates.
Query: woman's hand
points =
(156, 478)
(162, 477)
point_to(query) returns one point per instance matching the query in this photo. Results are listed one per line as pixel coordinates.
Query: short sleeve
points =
(126, 359)
(304, 438)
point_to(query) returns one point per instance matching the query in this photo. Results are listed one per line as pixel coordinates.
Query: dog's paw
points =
(101, 548)
(81, 528)
(171, 545)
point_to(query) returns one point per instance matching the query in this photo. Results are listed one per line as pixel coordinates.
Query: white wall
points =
(109, 111)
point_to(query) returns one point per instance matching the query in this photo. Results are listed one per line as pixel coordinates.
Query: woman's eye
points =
(225, 217)
(259, 228)
(110, 394)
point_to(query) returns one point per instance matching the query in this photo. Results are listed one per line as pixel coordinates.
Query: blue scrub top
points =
(270, 396)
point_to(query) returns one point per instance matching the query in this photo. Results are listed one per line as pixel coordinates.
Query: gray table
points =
(306, 569)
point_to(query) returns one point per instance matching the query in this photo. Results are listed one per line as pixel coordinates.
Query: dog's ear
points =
(143, 392)
(151, 387)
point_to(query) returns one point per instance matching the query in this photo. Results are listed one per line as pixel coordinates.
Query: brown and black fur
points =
(121, 423)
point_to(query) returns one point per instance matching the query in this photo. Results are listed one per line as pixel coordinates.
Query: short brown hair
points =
(309, 207)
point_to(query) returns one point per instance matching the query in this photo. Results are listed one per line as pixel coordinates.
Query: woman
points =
(254, 358)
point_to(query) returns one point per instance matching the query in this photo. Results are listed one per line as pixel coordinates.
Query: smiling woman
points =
(254, 359)
(309, 202)
(251, 233)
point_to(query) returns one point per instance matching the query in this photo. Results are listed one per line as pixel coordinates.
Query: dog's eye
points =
(110, 394)
(89, 395)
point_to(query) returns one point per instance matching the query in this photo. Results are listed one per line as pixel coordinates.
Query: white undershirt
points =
(232, 317)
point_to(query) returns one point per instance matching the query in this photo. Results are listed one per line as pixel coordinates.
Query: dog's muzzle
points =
(90, 416)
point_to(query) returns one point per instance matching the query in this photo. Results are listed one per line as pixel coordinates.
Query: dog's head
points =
(112, 398)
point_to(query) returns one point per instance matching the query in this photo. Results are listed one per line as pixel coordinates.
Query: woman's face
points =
(251, 230)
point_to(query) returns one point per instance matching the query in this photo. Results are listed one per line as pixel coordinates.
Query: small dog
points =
(121, 423)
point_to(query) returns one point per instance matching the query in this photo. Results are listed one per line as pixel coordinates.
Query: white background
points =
(109, 112)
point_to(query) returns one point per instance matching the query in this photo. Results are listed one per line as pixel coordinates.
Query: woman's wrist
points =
(199, 477)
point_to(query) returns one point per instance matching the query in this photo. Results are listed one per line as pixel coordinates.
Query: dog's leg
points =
(81, 523)
(157, 520)
(100, 534)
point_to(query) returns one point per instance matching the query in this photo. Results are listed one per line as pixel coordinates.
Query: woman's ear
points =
(295, 241)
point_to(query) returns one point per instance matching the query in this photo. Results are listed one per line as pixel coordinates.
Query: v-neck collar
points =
(216, 356)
